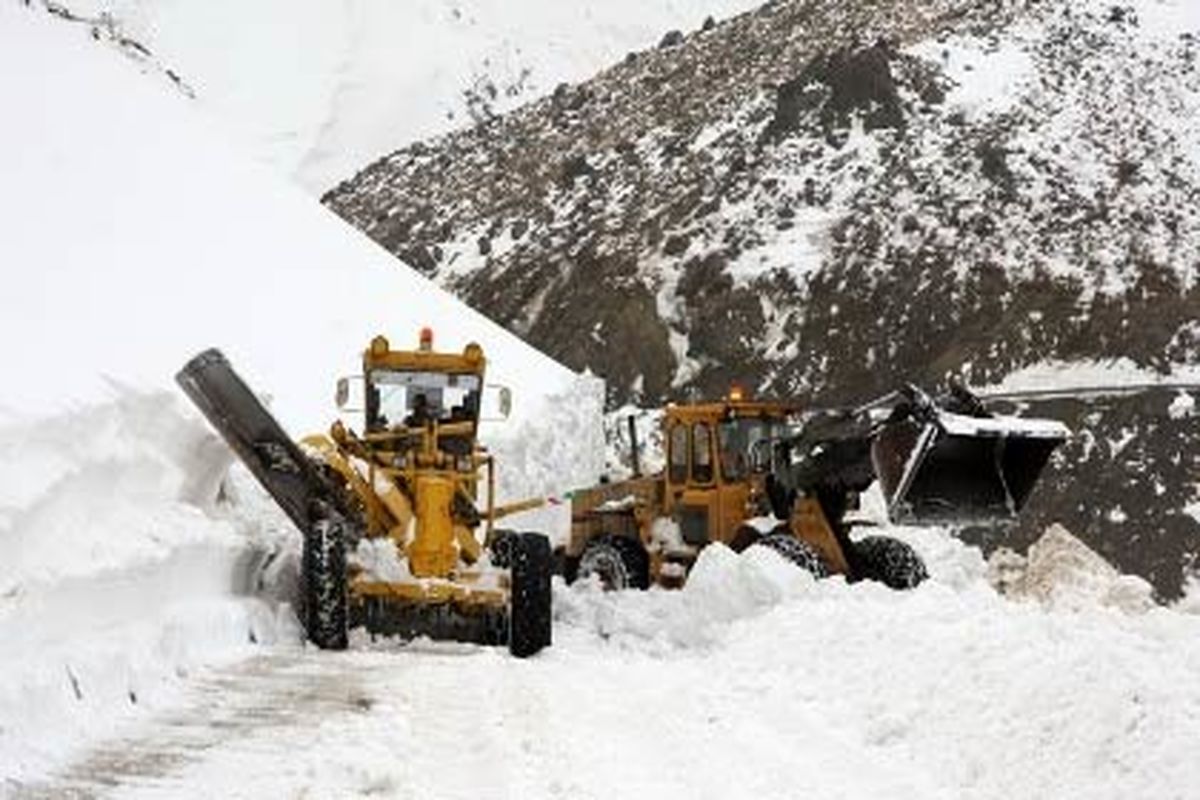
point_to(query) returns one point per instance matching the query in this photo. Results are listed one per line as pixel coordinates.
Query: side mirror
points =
(496, 405)
(349, 394)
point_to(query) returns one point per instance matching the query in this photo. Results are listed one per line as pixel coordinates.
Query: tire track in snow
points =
(274, 691)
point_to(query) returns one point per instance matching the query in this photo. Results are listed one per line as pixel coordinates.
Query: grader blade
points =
(958, 469)
(257, 437)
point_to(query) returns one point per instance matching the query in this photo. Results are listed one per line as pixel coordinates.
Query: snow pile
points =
(119, 575)
(319, 89)
(946, 691)
(139, 470)
(722, 587)
(1062, 572)
(158, 242)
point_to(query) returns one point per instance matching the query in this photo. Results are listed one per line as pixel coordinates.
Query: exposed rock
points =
(671, 39)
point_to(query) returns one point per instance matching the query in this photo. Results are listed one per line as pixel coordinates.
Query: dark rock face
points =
(838, 85)
(822, 200)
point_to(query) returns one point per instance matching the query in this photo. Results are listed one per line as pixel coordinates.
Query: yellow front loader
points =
(397, 520)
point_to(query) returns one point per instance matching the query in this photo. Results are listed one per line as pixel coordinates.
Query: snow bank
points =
(319, 89)
(119, 574)
(147, 240)
(106, 487)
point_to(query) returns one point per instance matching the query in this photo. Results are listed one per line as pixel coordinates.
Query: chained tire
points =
(325, 609)
(889, 561)
(529, 610)
(795, 551)
(620, 562)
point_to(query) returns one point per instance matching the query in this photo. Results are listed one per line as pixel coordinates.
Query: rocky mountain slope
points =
(825, 198)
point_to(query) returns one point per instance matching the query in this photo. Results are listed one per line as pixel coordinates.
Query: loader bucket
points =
(955, 469)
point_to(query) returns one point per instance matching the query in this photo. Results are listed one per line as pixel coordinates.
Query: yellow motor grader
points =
(770, 474)
(390, 517)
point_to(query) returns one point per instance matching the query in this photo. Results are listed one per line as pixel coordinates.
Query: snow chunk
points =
(1184, 405)
(1064, 573)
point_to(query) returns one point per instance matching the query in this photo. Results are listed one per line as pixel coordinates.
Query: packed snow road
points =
(754, 681)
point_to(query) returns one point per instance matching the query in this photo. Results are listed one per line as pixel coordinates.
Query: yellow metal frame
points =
(727, 502)
(407, 487)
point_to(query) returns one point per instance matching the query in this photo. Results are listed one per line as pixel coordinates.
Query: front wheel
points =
(620, 562)
(796, 551)
(325, 609)
(889, 561)
(529, 605)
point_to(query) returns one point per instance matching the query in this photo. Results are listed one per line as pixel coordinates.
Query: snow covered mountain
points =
(825, 199)
(317, 89)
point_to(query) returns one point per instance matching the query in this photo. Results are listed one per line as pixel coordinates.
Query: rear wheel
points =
(620, 562)
(529, 612)
(796, 551)
(325, 584)
(889, 561)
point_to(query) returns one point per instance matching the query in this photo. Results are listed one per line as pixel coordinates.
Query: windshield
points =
(413, 398)
(738, 437)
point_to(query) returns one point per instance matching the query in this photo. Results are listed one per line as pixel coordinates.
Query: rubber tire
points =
(325, 605)
(796, 551)
(621, 563)
(889, 561)
(529, 623)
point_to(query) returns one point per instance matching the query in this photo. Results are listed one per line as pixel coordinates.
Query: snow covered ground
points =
(753, 681)
(319, 90)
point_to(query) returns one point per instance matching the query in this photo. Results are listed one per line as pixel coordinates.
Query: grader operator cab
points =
(770, 474)
(394, 536)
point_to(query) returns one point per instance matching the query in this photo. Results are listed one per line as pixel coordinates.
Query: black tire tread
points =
(796, 551)
(889, 561)
(632, 555)
(529, 606)
(325, 604)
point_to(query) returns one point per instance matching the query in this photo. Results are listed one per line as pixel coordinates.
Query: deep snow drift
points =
(320, 89)
(144, 241)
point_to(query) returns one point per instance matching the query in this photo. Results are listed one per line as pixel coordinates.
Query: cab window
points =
(678, 446)
(702, 465)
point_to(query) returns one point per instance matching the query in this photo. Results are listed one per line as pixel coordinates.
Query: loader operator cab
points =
(718, 455)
